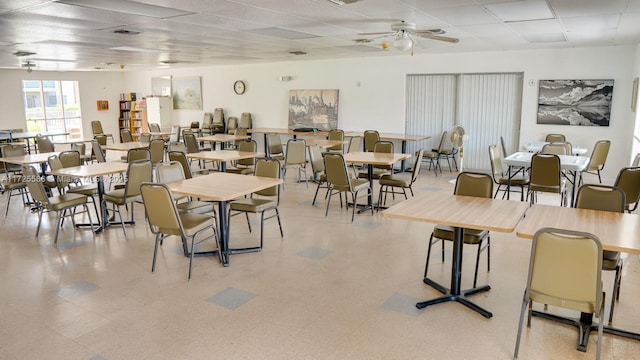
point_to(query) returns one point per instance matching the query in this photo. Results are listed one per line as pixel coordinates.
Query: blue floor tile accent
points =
(315, 253)
(403, 304)
(76, 289)
(231, 298)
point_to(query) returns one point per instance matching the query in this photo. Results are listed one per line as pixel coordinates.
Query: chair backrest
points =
(175, 134)
(555, 138)
(70, 158)
(599, 155)
(138, 154)
(96, 127)
(239, 132)
(628, 180)
(44, 144)
(316, 160)
(156, 148)
(557, 148)
(144, 138)
(55, 164)
(35, 185)
(162, 214)
(101, 139)
(636, 160)
(218, 117)
(268, 168)
(371, 137)
(177, 146)
(154, 127)
(9, 151)
(195, 125)
(191, 143)
(503, 143)
(545, 171)
(245, 121)
(565, 270)
(170, 172)
(336, 170)
(355, 144)
(383, 147)
(296, 152)
(125, 135)
(496, 162)
(79, 147)
(138, 172)
(274, 145)
(97, 150)
(207, 119)
(249, 146)
(416, 165)
(474, 184)
(443, 140)
(181, 158)
(232, 124)
(336, 134)
(601, 197)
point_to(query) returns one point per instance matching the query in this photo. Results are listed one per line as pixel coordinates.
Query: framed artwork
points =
(187, 93)
(103, 105)
(575, 102)
(313, 109)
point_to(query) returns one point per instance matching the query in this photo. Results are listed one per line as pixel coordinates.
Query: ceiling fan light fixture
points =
(403, 42)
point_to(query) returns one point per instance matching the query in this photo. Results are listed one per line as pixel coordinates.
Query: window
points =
(52, 105)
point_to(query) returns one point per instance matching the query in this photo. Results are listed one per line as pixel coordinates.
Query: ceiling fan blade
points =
(386, 33)
(429, 31)
(439, 37)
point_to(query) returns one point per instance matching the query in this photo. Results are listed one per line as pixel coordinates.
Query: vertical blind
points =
(487, 106)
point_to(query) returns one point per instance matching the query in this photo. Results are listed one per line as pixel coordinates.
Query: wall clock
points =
(239, 87)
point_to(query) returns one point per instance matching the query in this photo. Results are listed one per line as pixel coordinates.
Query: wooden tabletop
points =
(224, 155)
(617, 231)
(71, 141)
(223, 137)
(324, 143)
(29, 158)
(460, 211)
(391, 136)
(95, 169)
(126, 146)
(285, 131)
(219, 186)
(374, 158)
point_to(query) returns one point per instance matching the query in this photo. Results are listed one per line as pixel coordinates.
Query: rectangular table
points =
(391, 136)
(223, 156)
(27, 135)
(222, 139)
(616, 231)
(97, 170)
(324, 143)
(285, 131)
(537, 146)
(371, 159)
(126, 146)
(573, 164)
(460, 212)
(223, 187)
(30, 159)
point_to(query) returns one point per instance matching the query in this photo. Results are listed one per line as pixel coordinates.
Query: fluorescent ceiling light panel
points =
(545, 38)
(137, 49)
(129, 7)
(521, 10)
(283, 33)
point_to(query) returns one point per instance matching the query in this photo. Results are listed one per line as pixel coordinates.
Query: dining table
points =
(222, 139)
(403, 138)
(126, 146)
(616, 231)
(29, 135)
(223, 156)
(285, 131)
(574, 164)
(536, 146)
(223, 187)
(459, 212)
(324, 143)
(31, 159)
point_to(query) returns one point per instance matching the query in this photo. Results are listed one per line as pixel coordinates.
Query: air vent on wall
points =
(126, 32)
(168, 62)
(23, 53)
(297, 53)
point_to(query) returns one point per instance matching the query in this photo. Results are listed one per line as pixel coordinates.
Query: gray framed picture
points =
(314, 109)
(575, 102)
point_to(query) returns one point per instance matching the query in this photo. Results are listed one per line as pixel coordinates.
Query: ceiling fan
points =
(405, 33)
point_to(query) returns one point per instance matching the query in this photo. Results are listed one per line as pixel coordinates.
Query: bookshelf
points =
(133, 115)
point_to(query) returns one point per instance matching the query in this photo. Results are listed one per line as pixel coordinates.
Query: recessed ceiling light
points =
(297, 53)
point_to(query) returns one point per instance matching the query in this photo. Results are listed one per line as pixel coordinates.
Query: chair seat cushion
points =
(583, 306)
(516, 181)
(191, 223)
(471, 236)
(13, 182)
(253, 204)
(67, 200)
(241, 171)
(430, 154)
(377, 173)
(552, 189)
(87, 189)
(356, 184)
(117, 197)
(399, 180)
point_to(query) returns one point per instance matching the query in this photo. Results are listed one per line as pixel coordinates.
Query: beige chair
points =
(597, 159)
(546, 176)
(447, 153)
(245, 166)
(44, 144)
(628, 180)
(336, 134)
(605, 198)
(246, 121)
(467, 184)
(96, 129)
(319, 174)
(355, 145)
(192, 146)
(165, 220)
(434, 156)
(137, 172)
(501, 178)
(564, 271)
(125, 135)
(385, 147)
(274, 147)
(13, 183)
(156, 150)
(181, 157)
(101, 139)
(144, 138)
(555, 138)
(503, 144)
(296, 158)
(232, 124)
(60, 203)
(557, 148)
(371, 137)
(261, 201)
(401, 181)
(636, 160)
(72, 185)
(173, 171)
(97, 152)
(238, 132)
(339, 181)
(82, 149)
(138, 154)
(154, 127)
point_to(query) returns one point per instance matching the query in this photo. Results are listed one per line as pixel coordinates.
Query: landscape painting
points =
(575, 102)
(313, 109)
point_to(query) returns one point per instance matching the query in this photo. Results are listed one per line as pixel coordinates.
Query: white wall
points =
(379, 101)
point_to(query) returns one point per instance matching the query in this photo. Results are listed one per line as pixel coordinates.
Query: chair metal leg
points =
(615, 295)
(520, 322)
(59, 218)
(159, 239)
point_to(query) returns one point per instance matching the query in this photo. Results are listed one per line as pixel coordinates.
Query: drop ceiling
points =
(153, 34)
